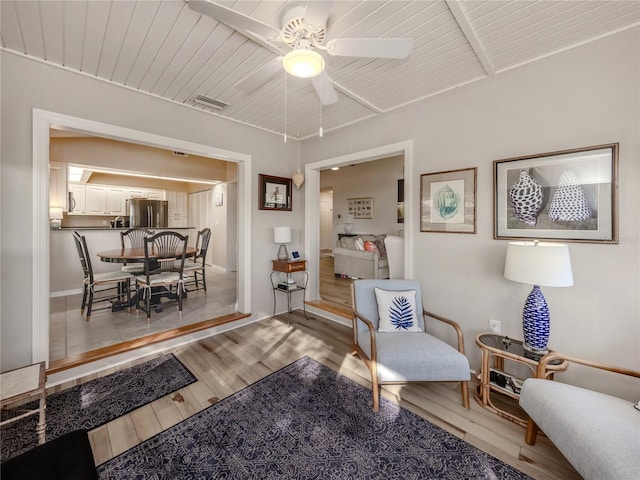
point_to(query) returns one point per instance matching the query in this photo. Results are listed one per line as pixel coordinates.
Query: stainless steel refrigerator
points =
(148, 213)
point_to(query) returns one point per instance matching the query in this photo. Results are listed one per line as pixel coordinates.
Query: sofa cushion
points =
(370, 246)
(359, 243)
(348, 242)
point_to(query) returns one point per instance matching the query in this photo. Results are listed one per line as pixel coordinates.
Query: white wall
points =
(377, 179)
(27, 84)
(582, 97)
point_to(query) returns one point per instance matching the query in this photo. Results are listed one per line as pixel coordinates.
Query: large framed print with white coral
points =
(571, 195)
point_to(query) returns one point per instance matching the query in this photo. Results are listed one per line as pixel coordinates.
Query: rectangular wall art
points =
(360, 207)
(448, 201)
(571, 195)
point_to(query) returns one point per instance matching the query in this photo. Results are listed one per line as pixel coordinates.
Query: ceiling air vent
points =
(209, 102)
(180, 154)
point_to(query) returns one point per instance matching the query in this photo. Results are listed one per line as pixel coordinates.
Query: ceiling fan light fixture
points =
(303, 63)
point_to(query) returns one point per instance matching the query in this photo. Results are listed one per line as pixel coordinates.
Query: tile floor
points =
(71, 334)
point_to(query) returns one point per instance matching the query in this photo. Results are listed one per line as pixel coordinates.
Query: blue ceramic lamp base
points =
(536, 322)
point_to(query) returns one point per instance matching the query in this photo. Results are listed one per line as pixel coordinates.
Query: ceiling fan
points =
(298, 42)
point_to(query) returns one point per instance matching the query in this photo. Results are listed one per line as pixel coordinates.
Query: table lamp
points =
(541, 264)
(348, 223)
(55, 218)
(282, 235)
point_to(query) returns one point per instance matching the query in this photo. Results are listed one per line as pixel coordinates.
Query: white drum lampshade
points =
(282, 235)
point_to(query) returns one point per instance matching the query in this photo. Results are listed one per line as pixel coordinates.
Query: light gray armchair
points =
(403, 356)
(598, 433)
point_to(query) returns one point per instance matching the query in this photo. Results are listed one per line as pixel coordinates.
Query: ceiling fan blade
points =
(317, 12)
(235, 20)
(370, 47)
(324, 88)
(260, 76)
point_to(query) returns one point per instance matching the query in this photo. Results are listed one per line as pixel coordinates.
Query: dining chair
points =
(164, 255)
(196, 265)
(135, 237)
(98, 287)
(390, 336)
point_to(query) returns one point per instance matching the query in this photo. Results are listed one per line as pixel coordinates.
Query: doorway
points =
(312, 210)
(42, 122)
(326, 221)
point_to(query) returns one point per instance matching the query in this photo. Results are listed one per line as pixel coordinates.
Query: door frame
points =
(312, 205)
(43, 121)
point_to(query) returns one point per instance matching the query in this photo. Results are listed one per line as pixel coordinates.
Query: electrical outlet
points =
(494, 326)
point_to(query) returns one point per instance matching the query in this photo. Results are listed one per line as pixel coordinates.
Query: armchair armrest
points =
(452, 323)
(369, 324)
(540, 373)
(347, 252)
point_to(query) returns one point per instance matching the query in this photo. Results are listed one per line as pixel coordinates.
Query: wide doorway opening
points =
(206, 311)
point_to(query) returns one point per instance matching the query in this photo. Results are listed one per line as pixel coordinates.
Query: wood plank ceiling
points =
(165, 49)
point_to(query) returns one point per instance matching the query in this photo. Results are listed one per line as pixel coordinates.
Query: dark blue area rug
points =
(305, 421)
(97, 402)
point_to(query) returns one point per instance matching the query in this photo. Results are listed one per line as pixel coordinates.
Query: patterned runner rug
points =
(305, 421)
(97, 402)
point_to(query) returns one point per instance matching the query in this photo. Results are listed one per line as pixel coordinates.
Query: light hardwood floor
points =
(227, 362)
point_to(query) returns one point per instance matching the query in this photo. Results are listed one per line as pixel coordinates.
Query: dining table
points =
(137, 255)
(134, 255)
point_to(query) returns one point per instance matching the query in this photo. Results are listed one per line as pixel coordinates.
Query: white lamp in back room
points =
(541, 265)
(282, 235)
(348, 223)
(55, 217)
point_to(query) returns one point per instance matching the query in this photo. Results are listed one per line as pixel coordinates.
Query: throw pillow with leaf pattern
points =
(397, 311)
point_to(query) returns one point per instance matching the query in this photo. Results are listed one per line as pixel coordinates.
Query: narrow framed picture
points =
(569, 195)
(274, 193)
(448, 201)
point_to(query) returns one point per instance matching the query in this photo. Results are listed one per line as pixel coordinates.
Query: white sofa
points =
(598, 433)
(352, 262)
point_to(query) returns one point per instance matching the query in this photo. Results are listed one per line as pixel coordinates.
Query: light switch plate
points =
(494, 326)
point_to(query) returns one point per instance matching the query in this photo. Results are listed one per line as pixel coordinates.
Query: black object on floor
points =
(68, 457)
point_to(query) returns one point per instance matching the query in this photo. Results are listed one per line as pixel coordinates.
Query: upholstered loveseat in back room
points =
(361, 256)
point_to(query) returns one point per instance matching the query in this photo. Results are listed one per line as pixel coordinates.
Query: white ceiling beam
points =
(467, 30)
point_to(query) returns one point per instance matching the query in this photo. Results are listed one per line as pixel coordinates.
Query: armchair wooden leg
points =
(375, 388)
(464, 387)
(532, 432)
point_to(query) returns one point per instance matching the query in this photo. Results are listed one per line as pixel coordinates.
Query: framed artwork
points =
(219, 199)
(448, 201)
(400, 203)
(570, 195)
(274, 193)
(360, 207)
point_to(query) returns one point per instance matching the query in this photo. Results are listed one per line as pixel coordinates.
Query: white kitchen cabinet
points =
(116, 201)
(109, 200)
(135, 193)
(76, 205)
(177, 209)
(58, 185)
(95, 200)
(155, 194)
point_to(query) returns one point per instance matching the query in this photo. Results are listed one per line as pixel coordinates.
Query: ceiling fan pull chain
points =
(321, 132)
(285, 107)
